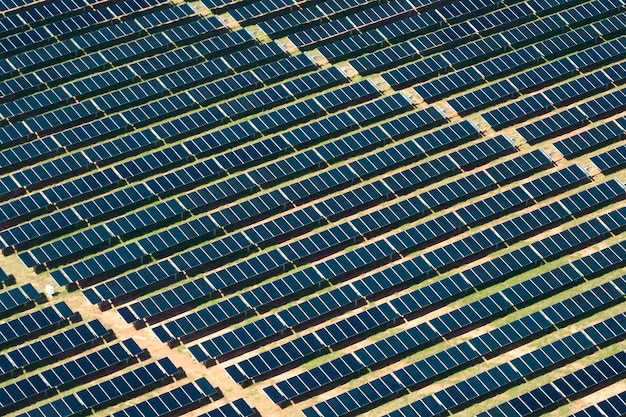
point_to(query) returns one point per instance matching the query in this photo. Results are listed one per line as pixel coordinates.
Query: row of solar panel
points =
(202, 257)
(424, 45)
(236, 159)
(449, 36)
(250, 335)
(33, 324)
(17, 299)
(355, 21)
(545, 75)
(261, 10)
(366, 258)
(73, 114)
(69, 374)
(598, 137)
(377, 251)
(209, 224)
(233, 186)
(150, 113)
(549, 98)
(311, 277)
(81, 45)
(514, 61)
(66, 374)
(401, 344)
(510, 373)
(334, 182)
(242, 155)
(305, 280)
(106, 152)
(429, 263)
(138, 116)
(611, 160)
(49, 348)
(614, 406)
(165, 66)
(108, 203)
(428, 40)
(28, 39)
(110, 391)
(43, 13)
(205, 287)
(382, 389)
(574, 117)
(301, 162)
(360, 20)
(178, 400)
(291, 22)
(399, 30)
(290, 16)
(102, 59)
(64, 193)
(191, 75)
(442, 291)
(547, 41)
(570, 386)
(12, 6)
(366, 225)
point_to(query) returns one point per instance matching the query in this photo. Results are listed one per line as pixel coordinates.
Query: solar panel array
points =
(48, 350)
(349, 207)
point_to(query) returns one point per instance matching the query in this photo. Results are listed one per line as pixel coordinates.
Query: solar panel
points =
(509, 373)
(575, 383)
(30, 325)
(69, 373)
(269, 181)
(610, 160)
(17, 299)
(47, 349)
(407, 341)
(110, 391)
(420, 299)
(238, 408)
(184, 397)
(591, 139)
(612, 406)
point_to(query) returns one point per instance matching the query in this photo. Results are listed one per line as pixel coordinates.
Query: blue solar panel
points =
(574, 384)
(591, 139)
(53, 347)
(238, 408)
(185, 397)
(31, 325)
(271, 181)
(611, 160)
(613, 406)
(109, 391)
(478, 387)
